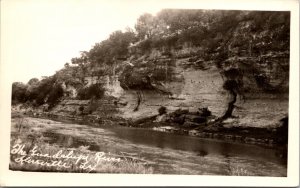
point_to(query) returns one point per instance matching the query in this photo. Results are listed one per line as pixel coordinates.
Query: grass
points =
(30, 134)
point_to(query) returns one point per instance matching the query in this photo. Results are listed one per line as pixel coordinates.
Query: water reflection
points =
(175, 154)
(200, 147)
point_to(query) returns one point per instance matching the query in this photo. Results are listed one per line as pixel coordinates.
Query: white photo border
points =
(15, 178)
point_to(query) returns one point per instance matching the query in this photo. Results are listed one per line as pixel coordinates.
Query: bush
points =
(230, 85)
(18, 92)
(95, 91)
(162, 110)
(55, 94)
(204, 112)
(40, 94)
(81, 108)
(48, 90)
(145, 45)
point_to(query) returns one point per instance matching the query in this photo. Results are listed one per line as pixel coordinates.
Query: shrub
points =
(230, 85)
(42, 91)
(162, 110)
(94, 91)
(204, 112)
(55, 94)
(81, 108)
(145, 45)
(18, 92)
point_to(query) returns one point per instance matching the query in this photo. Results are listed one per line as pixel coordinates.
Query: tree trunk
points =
(139, 98)
(230, 107)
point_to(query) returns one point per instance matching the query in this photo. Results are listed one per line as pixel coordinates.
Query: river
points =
(172, 154)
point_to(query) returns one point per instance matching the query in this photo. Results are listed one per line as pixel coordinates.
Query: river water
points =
(222, 157)
(174, 154)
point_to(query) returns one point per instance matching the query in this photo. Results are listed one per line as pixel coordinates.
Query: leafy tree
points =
(32, 90)
(119, 43)
(55, 94)
(70, 75)
(145, 26)
(44, 88)
(48, 90)
(109, 51)
(33, 81)
(81, 64)
(18, 92)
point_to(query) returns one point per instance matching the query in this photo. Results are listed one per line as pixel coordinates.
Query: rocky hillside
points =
(187, 59)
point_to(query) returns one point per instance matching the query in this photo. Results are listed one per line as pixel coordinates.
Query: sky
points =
(41, 35)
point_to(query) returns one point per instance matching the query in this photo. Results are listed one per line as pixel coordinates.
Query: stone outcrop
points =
(192, 88)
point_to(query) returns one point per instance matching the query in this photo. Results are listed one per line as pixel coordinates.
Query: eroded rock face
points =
(112, 86)
(197, 88)
(189, 89)
(189, 83)
(70, 91)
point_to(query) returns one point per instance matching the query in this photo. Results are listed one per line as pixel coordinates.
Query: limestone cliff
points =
(186, 59)
(192, 88)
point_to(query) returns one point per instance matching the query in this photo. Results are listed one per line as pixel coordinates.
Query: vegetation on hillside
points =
(37, 92)
(256, 43)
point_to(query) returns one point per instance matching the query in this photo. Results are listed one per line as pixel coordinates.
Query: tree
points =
(54, 95)
(18, 92)
(145, 26)
(233, 84)
(119, 43)
(107, 52)
(32, 90)
(81, 63)
(33, 81)
(44, 88)
(48, 90)
(178, 20)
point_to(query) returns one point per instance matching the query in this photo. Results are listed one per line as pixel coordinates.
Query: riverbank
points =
(271, 136)
(44, 145)
(267, 136)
